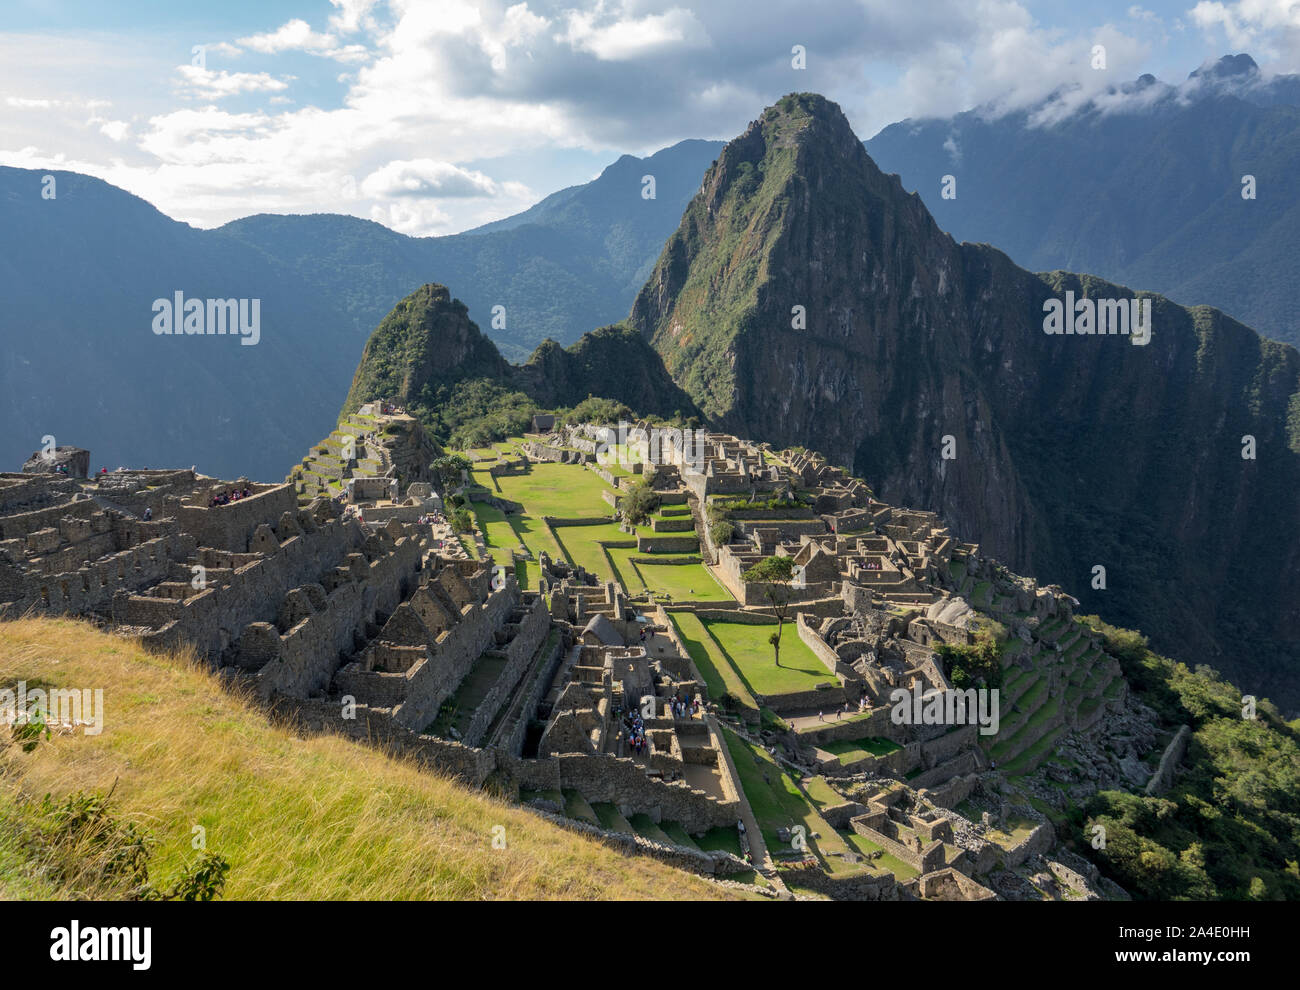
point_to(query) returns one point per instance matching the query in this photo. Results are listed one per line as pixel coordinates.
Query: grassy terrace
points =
(719, 675)
(679, 581)
(582, 546)
(777, 802)
(565, 491)
(497, 531)
(820, 793)
(851, 750)
(885, 861)
(749, 652)
(737, 658)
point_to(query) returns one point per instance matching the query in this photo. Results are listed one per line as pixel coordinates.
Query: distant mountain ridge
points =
(79, 273)
(1142, 186)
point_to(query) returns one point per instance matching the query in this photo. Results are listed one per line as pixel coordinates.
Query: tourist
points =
(148, 513)
(821, 717)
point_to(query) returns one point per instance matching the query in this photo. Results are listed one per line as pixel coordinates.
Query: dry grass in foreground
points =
(316, 818)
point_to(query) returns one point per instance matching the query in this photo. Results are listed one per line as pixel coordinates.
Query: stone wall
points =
(417, 694)
(667, 544)
(231, 527)
(216, 616)
(1163, 778)
(376, 727)
(310, 651)
(868, 885)
(1041, 839)
(623, 783)
(93, 586)
(953, 792)
(520, 652)
(707, 862)
(509, 738)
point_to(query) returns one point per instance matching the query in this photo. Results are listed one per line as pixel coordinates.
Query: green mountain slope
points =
(428, 356)
(1070, 451)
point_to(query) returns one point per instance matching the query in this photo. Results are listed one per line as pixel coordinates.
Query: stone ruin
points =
(345, 602)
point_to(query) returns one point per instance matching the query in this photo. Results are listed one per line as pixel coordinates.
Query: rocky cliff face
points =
(807, 299)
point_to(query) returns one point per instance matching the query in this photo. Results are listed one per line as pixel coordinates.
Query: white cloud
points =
(214, 84)
(621, 38)
(434, 98)
(114, 130)
(297, 36)
(1271, 27)
(352, 16)
(30, 103)
(416, 219)
(424, 177)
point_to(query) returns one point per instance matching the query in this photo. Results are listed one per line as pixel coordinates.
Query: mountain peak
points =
(1229, 66)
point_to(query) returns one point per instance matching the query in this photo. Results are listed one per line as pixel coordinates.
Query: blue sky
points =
(432, 116)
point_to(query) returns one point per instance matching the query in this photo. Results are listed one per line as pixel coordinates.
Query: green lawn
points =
(576, 807)
(692, 582)
(894, 865)
(849, 750)
(648, 829)
(719, 676)
(625, 572)
(581, 544)
(497, 531)
(566, 491)
(724, 838)
(821, 793)
(750, 653)
(778, 803)
(678, 835)
(533, 534)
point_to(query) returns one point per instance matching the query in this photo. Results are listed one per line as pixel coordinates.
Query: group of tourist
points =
(390, 409)
(636, 733)
(225, 498)
(864, 703)
(685, 709)
(434, 518)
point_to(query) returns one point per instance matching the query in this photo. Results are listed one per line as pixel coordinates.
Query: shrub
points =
(639, 503)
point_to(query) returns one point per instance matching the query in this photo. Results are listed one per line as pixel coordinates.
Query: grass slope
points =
(314, 818)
